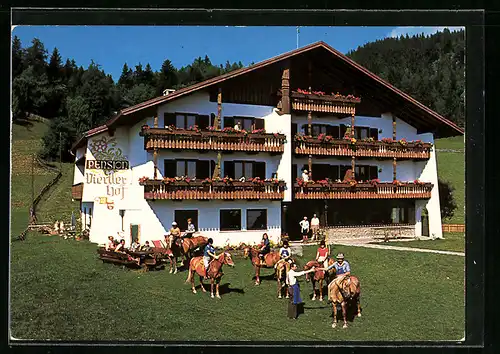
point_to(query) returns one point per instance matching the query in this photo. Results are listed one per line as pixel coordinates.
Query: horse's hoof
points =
(212, 296)
(334, 325)
(194, 291)
(287, 297)
(345, 325)
(279, 297)
(359, 314)
(320, 299)
(175, 272)
(256, 283)
(313, 298)
(171, 271)
(217, 296)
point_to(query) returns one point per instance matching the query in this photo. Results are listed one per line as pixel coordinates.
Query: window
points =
(256, 219)
(186, 120)
(365, 132)
(365, 172)
(186, 168)
(181, 216)
(247, 169)
(247, 123)
(191, 168)
(230, 220)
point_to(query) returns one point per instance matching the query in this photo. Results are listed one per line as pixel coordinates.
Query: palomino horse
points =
(319, 276)
(183, 248)
(270, 258)
(214, 272)
(345, 290)
(281, 270)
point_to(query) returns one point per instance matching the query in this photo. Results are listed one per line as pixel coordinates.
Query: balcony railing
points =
(208, 190)
(165, 138)
(327, 146)
(362, 191)
(77, 191)
(320, 102)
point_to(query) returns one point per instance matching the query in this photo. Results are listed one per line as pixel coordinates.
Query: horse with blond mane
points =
(214, 272)
(344, 290)
(183, 248)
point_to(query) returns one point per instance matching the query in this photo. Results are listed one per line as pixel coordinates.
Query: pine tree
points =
(17, 57)
(36, 56)
(167, 77)
(54, 70)
(126, 79)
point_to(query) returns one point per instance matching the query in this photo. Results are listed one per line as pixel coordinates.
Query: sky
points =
(112, 46)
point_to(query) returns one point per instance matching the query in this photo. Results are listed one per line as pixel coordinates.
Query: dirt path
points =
(356, 243)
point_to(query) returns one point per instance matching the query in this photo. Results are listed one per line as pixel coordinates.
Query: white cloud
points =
(413, 30)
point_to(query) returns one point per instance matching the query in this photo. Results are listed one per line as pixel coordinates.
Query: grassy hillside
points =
(451, 168)
(26, 142)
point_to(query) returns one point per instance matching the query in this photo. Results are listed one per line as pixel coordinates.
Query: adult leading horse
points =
(344, 290)
(319, 276)
(214, 272)
(270, 260)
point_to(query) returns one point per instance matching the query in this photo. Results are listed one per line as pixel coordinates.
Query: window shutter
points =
(229, 122)
(294, 173)
(343, 129)
(294, 129)
(203, 122)
(259, 123)
(374, 133)
(202, 169)
(170, 168)
(259, 170)
(229, 169)
(169, 119)
(373, 172)
(335, 131)
(334, 172)
(213, 164)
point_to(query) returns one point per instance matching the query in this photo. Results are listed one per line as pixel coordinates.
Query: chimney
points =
(168, 91)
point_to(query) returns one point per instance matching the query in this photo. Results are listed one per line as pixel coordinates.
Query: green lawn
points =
(451, 168)
(453, 241)
(454, 143)
(61, 291)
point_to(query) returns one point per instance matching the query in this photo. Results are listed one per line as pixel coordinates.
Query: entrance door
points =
(425, 223)
(135, 232)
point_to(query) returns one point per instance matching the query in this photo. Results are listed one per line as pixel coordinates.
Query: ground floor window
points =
(181, 216)
(256, 219)
(230, 219)
(369, 212)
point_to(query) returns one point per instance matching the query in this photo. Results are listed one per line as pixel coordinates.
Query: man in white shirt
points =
(294, 284)
(237, 126)
(314, 227)
(305, 176)
(304, 228)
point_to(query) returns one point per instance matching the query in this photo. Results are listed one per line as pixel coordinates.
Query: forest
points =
(76, 99)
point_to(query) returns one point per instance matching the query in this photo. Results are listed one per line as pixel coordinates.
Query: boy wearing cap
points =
(305, 176)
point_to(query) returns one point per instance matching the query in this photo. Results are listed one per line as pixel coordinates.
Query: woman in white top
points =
(294, 284)
(304, 228)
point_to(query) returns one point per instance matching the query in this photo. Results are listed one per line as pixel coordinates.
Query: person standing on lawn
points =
(304, 228)
(294, 286)
(314, 227)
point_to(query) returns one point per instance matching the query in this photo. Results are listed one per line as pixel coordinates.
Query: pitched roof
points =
(219, 79)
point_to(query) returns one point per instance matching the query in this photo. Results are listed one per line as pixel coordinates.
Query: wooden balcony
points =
(77, 191)
(363, 191)
(203, 190)
(319, 102)
(165, 138)
(304, 145)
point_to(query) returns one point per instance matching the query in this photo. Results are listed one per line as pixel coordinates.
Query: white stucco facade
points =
(111, 203)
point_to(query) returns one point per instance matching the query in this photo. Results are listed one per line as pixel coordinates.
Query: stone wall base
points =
(338, 233)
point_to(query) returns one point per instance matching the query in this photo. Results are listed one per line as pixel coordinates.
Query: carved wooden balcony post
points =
(394, 163)
(285, 90)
